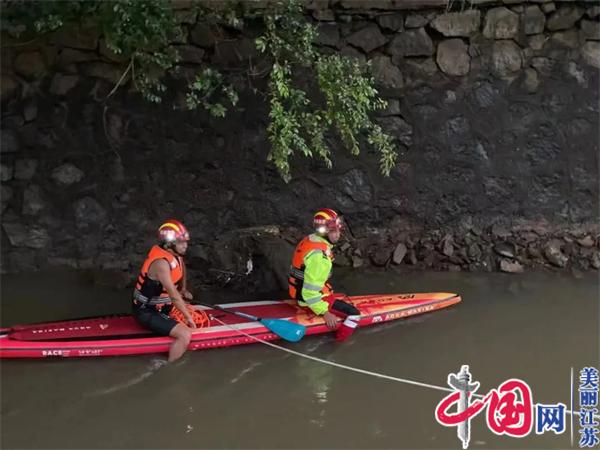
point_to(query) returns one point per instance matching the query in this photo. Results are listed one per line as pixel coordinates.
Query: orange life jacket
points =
(296, 276)
(152, 292)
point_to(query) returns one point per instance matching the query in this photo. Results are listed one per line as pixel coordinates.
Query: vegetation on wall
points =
(142, 31)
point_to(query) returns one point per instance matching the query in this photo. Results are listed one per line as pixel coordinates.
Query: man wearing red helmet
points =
(161, 285)
(311, 269)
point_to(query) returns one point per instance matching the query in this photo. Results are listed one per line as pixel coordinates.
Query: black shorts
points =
(153, 319)
(344, 308)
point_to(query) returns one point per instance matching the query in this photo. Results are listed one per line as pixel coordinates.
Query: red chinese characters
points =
(509, 409)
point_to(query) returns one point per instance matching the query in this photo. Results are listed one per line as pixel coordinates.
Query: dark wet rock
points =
(9, 142)
(595, 260)
(570, 249)
(501, 23)
(548, 7)
(392, 108)
(30, 65)
(500, 231)
(485, 264)
(187, 16)
(590, 30)
(457, 126)
(568, 39)
(554, 254)
(351, 52)
(453, 57)
(6, 172)
(357, 261)
(586, 241)
(329, 35)
(417, 20)
(591, 53)
(380, 255)
(233, 53)
(506, 57)
(593, 12)
(58, 261)
(203, 36)
(67, 174)
(565, 17)
(22, 260)
(531, 81)
(190, 54)
(342, 260)
(30, 110)
(447, 246)
(105, 71)
(474, 252)
(534, 252)
(68, 59)
(486, 95)
(368, 38)
(78, 37)
(25, 168)
(37, 238)
(398, 128)
(88, 212)
(366, 4)
(33, 203)
(458, 23)
(411, 43)
(324, 15)
(394, 22)
(16, 233)
(510, 266)
(277, 254)
(399, 253)
(453, 268)
(356, 185)
(537, 42)
(505, 249)
(21, 236)
(534, 20)
(419, 68)
(386, 73)
(9, 87)
(412, 257)
(430, 258)
(6, 195)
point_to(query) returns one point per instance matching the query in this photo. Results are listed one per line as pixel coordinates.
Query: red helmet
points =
(173, 230)
(326, 220)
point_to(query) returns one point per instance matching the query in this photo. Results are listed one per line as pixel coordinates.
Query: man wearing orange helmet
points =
(161, 285)
(311, 269)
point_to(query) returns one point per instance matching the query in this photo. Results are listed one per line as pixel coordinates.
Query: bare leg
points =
(182, 335)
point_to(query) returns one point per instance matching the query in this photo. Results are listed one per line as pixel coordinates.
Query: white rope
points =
(354, 369)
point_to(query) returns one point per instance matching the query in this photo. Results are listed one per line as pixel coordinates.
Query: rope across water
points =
(353, 369)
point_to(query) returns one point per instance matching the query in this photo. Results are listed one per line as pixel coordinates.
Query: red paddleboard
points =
(122, 335)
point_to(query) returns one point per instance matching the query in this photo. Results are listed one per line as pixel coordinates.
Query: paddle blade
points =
(289, 331)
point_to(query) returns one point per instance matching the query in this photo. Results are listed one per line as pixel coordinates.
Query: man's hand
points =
(330, 320)
(191, 323)
(187, 295)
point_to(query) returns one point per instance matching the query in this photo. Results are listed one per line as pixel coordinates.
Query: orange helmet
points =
(173, 230)
(326, 220)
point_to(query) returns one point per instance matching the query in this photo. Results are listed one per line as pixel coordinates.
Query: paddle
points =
(285, 329)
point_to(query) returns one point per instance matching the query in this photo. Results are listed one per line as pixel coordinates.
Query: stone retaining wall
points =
(494, 106)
